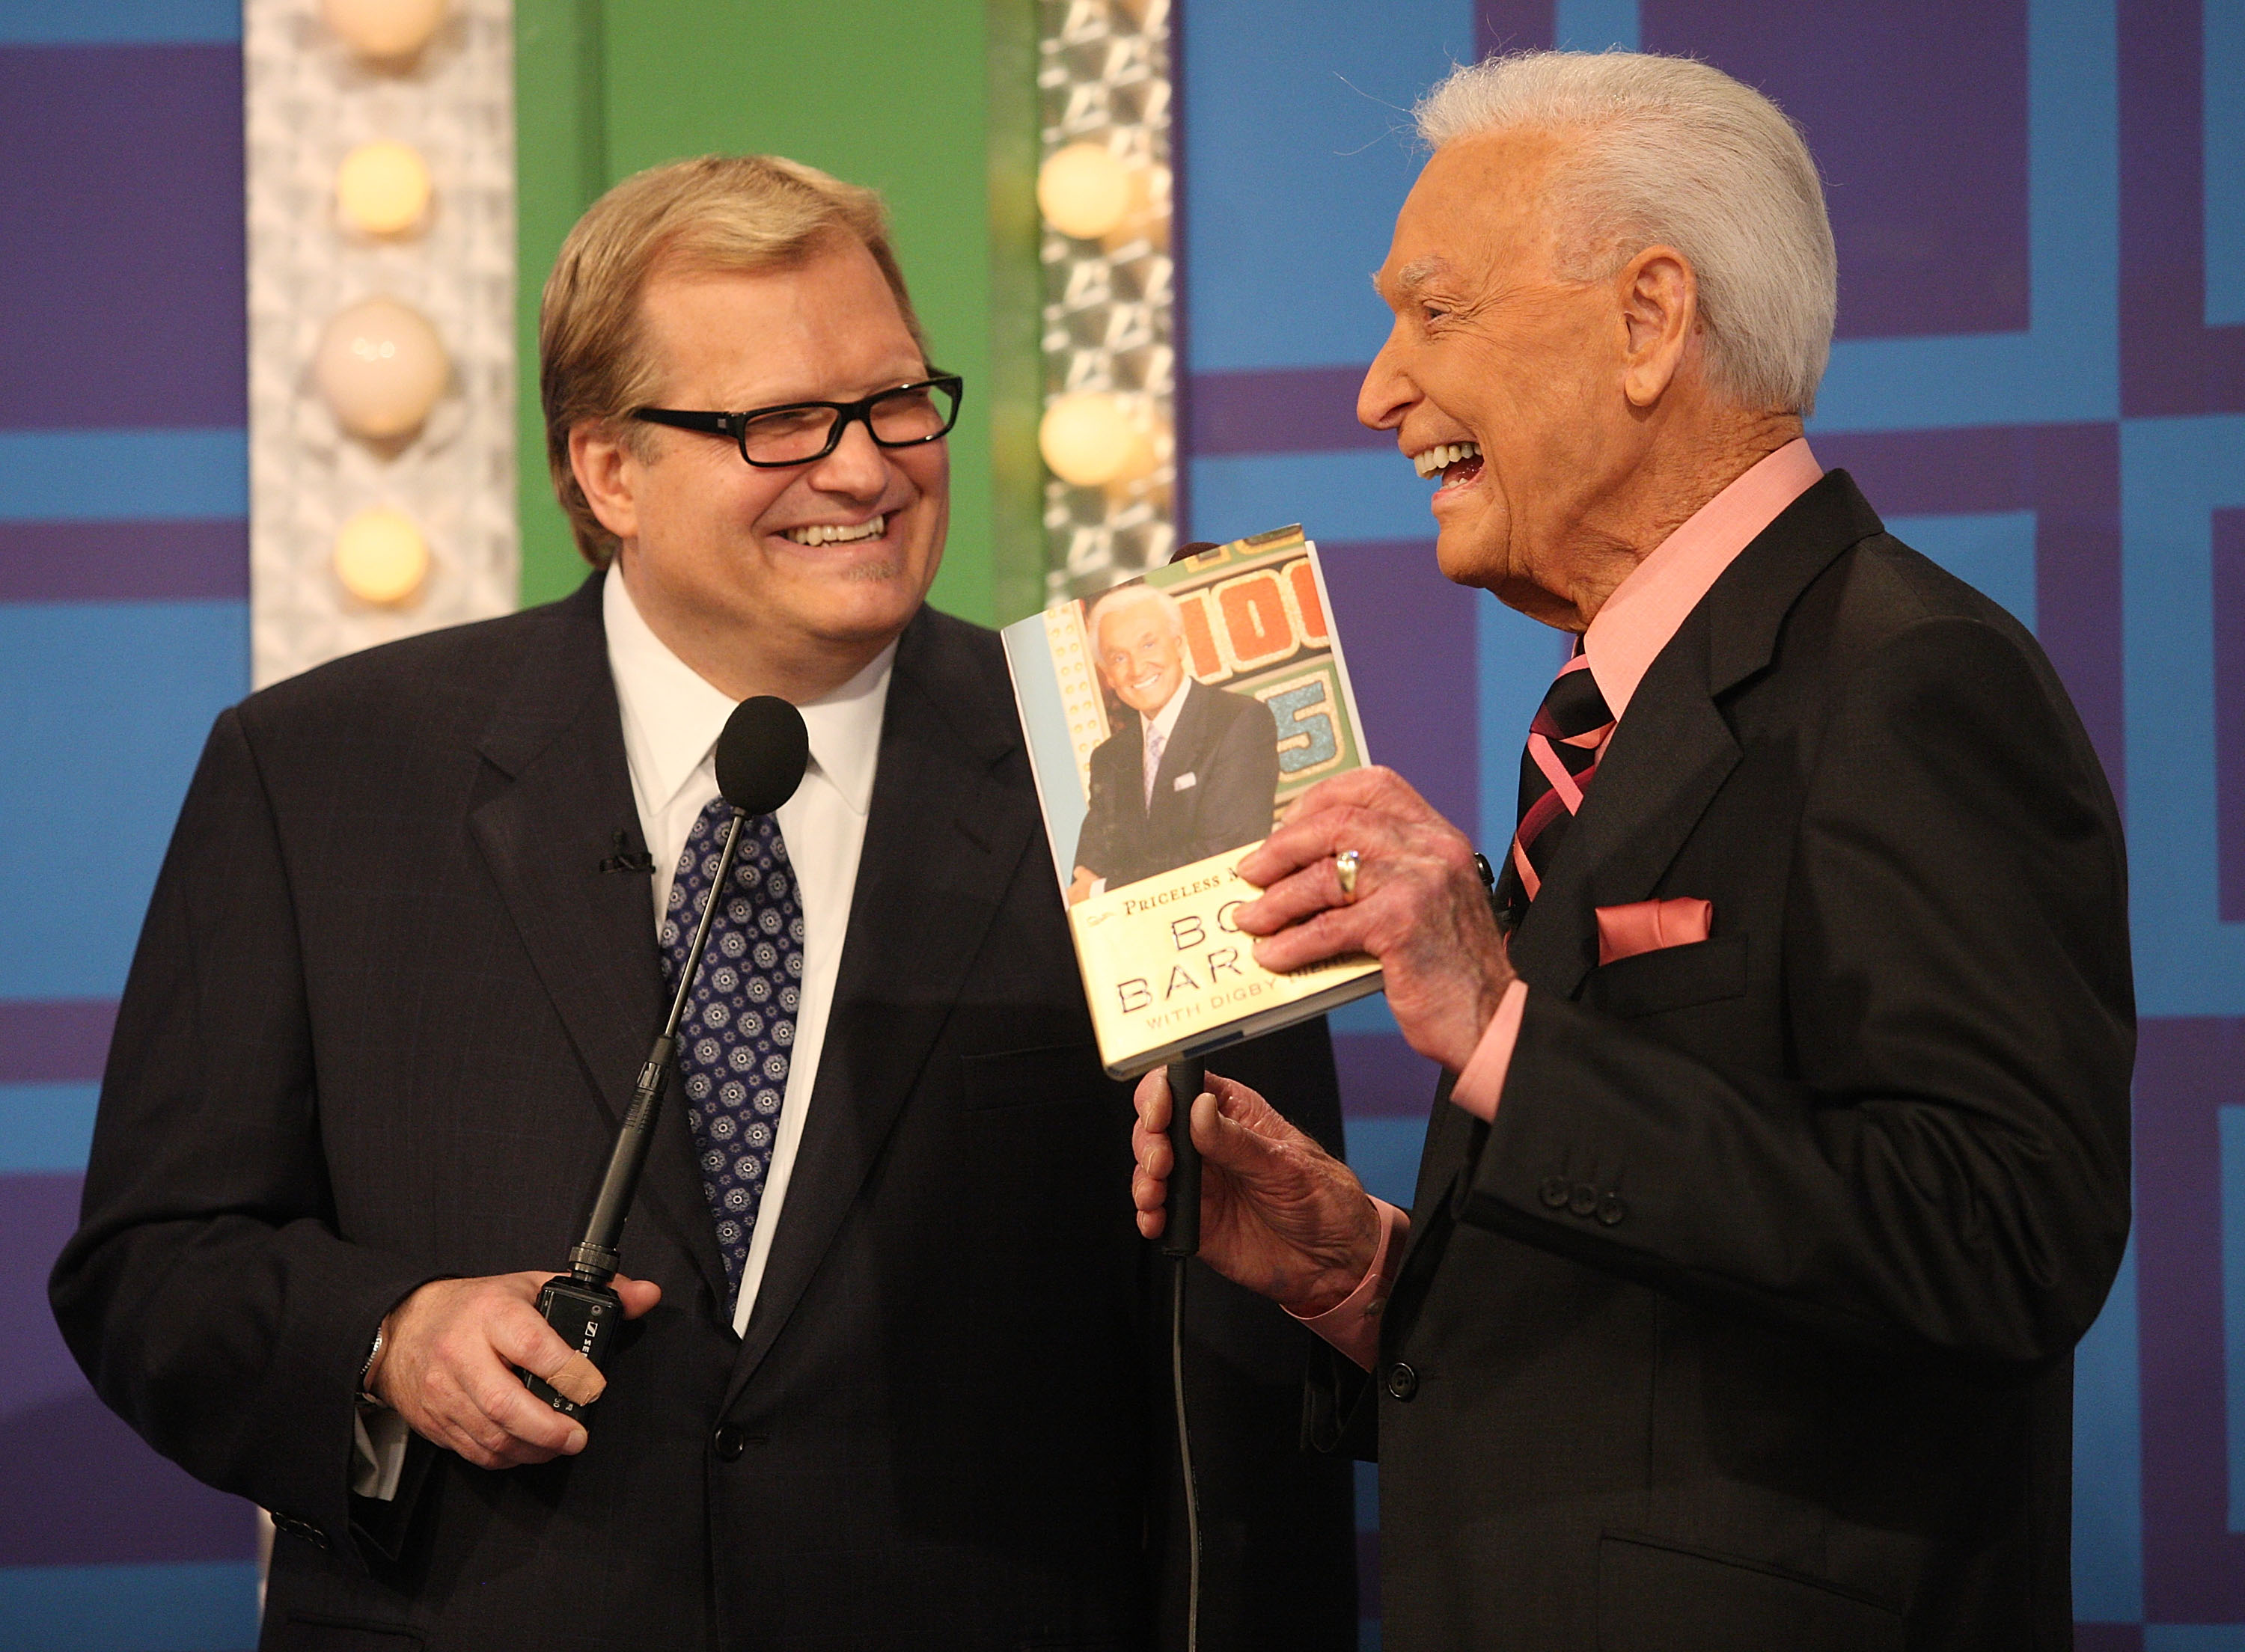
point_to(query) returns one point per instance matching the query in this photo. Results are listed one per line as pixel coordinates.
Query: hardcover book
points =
(1170, 721)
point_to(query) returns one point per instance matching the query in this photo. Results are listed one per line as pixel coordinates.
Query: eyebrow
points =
(1414, 276)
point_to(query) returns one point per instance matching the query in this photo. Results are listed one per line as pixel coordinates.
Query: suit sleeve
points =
(1241, 778)
(206, 1294)
(1095, 841)
(1948, 1168)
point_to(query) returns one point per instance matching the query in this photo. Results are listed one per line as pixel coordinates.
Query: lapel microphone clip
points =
(622, 857)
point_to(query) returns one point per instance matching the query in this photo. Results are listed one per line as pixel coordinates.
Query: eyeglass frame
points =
(735, 425)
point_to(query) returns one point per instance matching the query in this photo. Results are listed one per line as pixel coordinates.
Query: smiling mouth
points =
(1456, 463)
(833, 533)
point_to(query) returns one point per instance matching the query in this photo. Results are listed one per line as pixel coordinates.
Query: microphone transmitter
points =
(760, 757)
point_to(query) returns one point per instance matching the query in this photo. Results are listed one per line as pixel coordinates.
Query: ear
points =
(606, 473)
(1659, 296)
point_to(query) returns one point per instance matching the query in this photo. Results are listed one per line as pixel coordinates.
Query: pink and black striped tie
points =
(1564, 743)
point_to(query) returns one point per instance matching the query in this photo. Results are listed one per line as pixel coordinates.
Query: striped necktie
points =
(1564, 743)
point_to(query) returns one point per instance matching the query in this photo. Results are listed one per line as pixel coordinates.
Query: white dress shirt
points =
(1155, 739)
(672, 718)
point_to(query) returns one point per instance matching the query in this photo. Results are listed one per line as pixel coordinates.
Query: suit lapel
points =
(1669, 757)
(1180, 752)
(1662, 769)
(944, 838)
(559, 741)
(1674, 747)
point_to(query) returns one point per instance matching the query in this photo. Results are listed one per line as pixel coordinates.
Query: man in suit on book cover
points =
(895, 1371)
(1781, 1153)
(1192, 772)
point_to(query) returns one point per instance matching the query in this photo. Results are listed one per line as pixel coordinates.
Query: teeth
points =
(1438, 458)
(829, 533)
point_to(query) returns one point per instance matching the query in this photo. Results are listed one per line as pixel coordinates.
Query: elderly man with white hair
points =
(1190, 772)
(1780, 1158)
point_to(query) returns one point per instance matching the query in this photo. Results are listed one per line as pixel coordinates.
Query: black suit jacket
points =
(385, 1012)
(1214, 788)
(1747, 1323)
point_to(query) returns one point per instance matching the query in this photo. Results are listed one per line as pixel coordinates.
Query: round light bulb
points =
(382, 188)
(385, 29)
(1093, 438)
(1140, 456)
(1085, 190)
(380, 366)
(381, 557)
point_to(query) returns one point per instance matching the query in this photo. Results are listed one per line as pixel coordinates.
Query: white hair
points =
(1123, 595)
(1674, 152)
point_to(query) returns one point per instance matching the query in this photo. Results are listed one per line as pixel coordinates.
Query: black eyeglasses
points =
(800, 432)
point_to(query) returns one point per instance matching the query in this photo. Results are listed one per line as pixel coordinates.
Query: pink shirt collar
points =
(1645, 609)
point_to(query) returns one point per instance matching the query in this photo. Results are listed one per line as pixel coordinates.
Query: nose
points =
(857, 469)
(1387, 393)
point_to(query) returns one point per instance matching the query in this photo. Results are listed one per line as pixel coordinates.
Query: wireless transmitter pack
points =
(760, 757)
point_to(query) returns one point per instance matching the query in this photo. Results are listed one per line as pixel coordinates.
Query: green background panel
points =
(934, 106)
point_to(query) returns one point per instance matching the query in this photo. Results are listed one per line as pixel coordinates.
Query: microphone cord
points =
(1185, 1455)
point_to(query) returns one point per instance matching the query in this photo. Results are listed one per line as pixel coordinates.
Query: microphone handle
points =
(1181, 1213)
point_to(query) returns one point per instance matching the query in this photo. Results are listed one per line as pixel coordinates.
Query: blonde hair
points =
(714, 212)
(1674, 152)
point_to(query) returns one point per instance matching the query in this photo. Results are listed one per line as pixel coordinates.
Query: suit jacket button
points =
(1612, 1209)
(1553, 1192)
(1583, 1201)
(728, 1443)
(1403, 1381)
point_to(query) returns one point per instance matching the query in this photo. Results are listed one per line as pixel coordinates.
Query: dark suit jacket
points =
(1747, 1323)
(1225, 751)
(384, 1015)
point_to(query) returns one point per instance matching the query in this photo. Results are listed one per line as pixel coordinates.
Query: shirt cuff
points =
(1352, 1325)
(1483, 1082)
(378, 1438)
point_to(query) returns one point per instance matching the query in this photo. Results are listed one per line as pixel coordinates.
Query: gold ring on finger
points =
(1345, 868)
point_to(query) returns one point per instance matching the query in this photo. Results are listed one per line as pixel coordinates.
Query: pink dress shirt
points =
(1627, 635)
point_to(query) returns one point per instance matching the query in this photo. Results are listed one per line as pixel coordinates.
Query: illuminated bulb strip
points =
(379, 167)
(1103, 189)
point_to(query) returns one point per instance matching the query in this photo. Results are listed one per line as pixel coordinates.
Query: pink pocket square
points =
(1647, 926)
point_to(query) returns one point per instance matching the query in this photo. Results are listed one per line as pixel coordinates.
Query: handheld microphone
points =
(1181, 1209)
(760, 757)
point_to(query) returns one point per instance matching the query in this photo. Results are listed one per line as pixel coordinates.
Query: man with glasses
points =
(890, 1374)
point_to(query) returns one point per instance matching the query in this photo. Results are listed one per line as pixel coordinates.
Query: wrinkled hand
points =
(1420, 908)
(1280, 1214)
(447, 1366)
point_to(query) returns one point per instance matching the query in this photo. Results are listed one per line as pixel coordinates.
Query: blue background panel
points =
(192, 1607)
(109, 704)
(45, 1126)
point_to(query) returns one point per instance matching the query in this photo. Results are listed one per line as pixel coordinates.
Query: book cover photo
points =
(1169, 721)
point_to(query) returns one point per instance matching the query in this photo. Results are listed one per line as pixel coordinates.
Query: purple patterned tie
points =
(739, 1027)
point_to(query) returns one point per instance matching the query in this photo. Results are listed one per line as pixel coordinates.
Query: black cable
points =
(1185, 1455)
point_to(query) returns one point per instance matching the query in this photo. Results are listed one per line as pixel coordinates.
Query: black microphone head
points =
(762, 755)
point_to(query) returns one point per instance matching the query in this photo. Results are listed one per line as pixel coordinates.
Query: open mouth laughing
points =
(1456, 463)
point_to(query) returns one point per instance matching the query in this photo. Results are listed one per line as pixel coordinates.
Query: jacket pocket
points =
(1653, 1597)
(1022, 1078)
(1673, 977)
